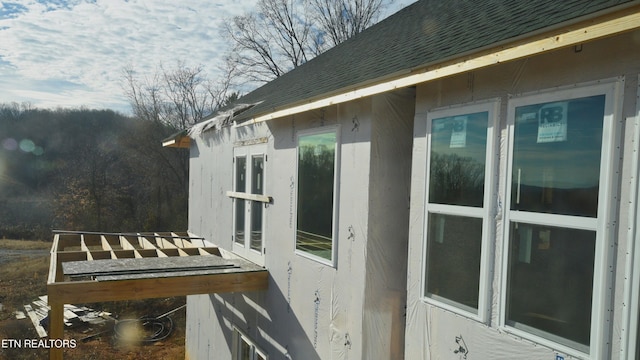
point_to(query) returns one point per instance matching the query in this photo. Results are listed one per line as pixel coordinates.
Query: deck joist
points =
(91, 267)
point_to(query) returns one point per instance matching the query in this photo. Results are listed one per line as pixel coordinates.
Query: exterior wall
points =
(432, 331)
(311, 310)
(208, 332)
(387, 239)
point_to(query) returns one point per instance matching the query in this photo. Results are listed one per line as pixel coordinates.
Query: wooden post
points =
(56, 327)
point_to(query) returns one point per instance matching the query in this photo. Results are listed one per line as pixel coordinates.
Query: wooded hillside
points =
(88, 170)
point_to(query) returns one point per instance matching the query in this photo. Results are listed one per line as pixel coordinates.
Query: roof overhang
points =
(612, 23)
(179, 140)
(94, 267)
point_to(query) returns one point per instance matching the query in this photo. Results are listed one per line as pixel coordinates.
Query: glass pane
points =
(556, 157)
(458, 156)
(257, 187)
(256, 225)
(239, 226)
(316, 167)
(240, 206)
(241, 171)
(257, 174)
(453, 259)
(550, 282)
(244, 350)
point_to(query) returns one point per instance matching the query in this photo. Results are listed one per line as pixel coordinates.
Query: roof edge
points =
(613, 21)
(178, 140)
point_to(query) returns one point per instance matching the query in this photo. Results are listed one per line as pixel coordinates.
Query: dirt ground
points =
(24, 277)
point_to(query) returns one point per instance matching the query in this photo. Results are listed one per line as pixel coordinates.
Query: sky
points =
(71, 53)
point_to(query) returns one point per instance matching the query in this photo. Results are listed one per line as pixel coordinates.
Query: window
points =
(317, 154)
(560, 161)
(249, 201)
(460, 142)
(245, 349)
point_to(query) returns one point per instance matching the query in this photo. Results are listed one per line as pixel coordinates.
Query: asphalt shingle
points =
(426, 32)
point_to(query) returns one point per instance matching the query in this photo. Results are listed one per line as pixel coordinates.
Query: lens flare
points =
(37, 151)
(27, 145)
(10, 144)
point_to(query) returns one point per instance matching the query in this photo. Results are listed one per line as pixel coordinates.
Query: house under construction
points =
(459, 181)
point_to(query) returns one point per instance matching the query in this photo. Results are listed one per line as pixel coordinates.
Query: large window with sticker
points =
(458, 198)
(316, 190)
(560, 162)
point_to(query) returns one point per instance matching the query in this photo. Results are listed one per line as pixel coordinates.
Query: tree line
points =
(99, 170)
(82, 169)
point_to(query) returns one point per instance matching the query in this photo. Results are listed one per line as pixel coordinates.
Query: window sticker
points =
(552, 122)
(459, 132)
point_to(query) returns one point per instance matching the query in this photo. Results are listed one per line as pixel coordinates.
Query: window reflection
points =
(245, 350)
(454, 248)
(240, 186)
(257, 187)
(316, 168)
(556, 157)
(458, 156)
(550, 282)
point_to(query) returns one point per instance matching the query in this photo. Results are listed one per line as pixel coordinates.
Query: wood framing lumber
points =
(97, 291)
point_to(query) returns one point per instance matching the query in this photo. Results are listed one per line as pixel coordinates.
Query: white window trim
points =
(248, 152)
(484, 301)
(603, 226)
(336, 195)
(239, 335)
(630, 321)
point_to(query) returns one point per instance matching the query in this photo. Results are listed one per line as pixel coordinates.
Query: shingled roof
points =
(424, 33)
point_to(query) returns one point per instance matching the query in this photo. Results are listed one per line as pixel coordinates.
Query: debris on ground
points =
(38, 312)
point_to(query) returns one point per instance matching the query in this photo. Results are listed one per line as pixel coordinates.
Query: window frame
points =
(249, 152)
(492, 107)
(239, 336)
(631, 313)
(603, 224)
(336, 195)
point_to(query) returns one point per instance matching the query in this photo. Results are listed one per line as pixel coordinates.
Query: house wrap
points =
(459, 181)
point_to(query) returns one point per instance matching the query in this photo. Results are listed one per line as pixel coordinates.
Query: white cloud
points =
(72, 52)
(84, 45)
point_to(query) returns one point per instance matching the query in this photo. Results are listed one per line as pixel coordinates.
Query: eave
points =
(179, 140)
(181, 143)
(609, 24)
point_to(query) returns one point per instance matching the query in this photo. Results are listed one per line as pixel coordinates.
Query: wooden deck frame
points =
(69, 246)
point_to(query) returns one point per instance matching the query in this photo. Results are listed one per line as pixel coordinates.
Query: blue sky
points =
(71, 53)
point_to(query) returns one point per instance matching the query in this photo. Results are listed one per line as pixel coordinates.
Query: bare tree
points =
(178, 97)
(270, 42)
(284, 34)
(342, 19)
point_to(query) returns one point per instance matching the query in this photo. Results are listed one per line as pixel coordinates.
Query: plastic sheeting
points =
(433, 332)
(356, 309)
(218, 120)
(352, 310)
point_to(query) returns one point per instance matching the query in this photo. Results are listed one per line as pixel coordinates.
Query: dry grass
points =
(24, 244)
(24, 279)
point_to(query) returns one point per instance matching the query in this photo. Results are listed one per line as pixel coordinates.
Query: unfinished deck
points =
(95, 267)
